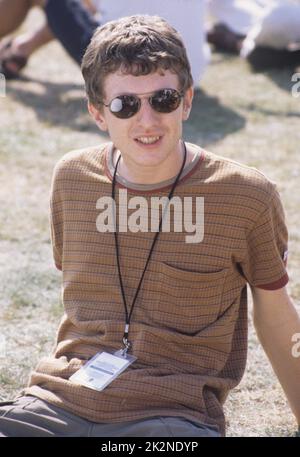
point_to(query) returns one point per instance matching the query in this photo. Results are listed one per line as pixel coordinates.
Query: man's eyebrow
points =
(143, 93)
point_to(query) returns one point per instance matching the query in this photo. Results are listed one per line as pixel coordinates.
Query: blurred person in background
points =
(73, 23)
(16, 50)
(265, 32)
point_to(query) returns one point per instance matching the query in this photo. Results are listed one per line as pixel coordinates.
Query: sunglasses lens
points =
(163, 101)
(166, 100)
(124, 106)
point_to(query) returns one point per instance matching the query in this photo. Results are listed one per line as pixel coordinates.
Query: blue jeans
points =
(72, 25)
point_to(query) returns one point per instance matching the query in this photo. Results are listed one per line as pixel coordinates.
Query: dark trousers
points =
(30, 416)
(264, 58)
(72, 25)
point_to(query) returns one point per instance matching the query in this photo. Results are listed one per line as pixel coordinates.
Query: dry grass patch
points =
(249, 117)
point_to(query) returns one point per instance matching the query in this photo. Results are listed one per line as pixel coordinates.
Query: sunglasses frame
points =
(138, 99)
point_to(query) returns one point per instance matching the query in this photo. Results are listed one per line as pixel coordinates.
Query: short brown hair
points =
(136, 45)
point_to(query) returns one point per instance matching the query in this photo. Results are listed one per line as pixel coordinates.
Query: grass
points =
(250, 117)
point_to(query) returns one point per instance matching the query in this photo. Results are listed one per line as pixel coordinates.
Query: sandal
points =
(11, 63)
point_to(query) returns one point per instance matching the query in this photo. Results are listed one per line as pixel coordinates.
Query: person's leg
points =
(31, 417)
(155, 426)
(12, 14)
(72, 24)
(14, 52)
(264, 58)
(29, 42)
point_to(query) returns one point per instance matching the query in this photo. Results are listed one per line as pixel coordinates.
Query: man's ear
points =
(98, 117)
(187, 103)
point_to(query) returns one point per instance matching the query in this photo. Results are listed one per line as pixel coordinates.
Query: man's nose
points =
(146, 115)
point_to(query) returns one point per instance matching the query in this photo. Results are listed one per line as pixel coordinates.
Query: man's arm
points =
(276, 321)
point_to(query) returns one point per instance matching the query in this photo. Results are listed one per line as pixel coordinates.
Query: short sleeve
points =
(266, 248)
(56, 219)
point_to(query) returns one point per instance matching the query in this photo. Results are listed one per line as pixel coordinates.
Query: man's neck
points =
(150, 175)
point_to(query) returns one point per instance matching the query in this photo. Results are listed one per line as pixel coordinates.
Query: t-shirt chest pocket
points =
(188, 301)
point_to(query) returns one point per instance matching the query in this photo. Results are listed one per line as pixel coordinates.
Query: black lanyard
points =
(126, 343)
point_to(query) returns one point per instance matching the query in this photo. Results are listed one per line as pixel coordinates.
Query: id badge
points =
(102, 369)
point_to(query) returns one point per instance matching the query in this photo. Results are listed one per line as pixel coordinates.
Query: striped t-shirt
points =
(189, 325)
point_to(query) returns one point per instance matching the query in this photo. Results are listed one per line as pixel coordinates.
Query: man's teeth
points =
(148, 139)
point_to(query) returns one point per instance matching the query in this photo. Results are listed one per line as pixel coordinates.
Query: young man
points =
(154, 333)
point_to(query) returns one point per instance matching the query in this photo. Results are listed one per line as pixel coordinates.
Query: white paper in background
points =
(187, 16)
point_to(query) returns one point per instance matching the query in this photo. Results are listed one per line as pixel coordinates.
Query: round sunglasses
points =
(127, 105)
